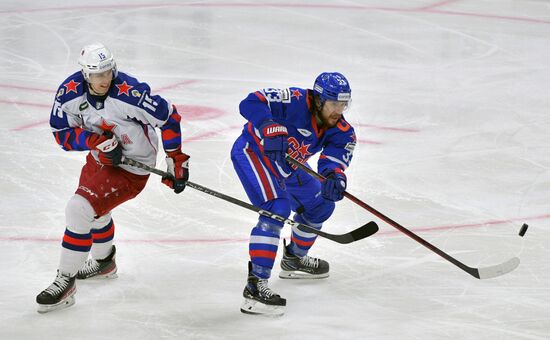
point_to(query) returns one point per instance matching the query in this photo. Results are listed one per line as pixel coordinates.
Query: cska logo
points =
(126, 140)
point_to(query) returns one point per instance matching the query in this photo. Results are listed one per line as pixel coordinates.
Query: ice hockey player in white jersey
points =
(112, 115)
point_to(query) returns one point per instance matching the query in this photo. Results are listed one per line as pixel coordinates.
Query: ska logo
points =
(298, 151)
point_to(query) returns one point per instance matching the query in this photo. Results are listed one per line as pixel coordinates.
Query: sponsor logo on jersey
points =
(304, 132)
(136, 93)
(83, 106)
(99, 105)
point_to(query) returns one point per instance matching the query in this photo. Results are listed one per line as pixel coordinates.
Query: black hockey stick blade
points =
(355, 235)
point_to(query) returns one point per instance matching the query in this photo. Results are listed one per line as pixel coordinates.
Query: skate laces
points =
(61, 282)
(309, 261)
(264, 289)
(90, 266)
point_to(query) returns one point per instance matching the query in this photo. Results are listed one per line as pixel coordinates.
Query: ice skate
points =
(99, 269)
(259, 299)
(307, 267)
(60, 294)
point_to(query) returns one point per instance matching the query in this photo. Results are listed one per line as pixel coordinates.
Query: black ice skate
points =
(99, 269)
(60, 294)
(259, 299)
(307, 267)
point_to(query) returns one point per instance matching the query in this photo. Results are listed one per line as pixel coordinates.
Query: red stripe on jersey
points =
(262, 253)
(258, 142)
(169, 134)
(77, 242)
(261, 96)
(263, 176)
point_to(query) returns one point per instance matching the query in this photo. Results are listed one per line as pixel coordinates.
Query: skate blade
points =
(257, 308)
(112, 275)
(68, 302)
(296, 275)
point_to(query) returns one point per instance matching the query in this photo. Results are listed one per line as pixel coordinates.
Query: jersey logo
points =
(123, 88)
(304, 132)
(105, 126)
(60, 93)
(72, 86)
(83, 106)
(296, 94)
(126, 140)
(298, 151)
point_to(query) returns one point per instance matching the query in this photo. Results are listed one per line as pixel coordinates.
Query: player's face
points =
(100, 82)
(332, 111)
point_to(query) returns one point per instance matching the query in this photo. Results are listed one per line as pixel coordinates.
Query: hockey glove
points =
(275, 141)
(334, 185)
(178, 165)
(108, 147)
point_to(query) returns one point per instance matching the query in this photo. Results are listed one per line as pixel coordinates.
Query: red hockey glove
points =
(108, 147)
(178, 165)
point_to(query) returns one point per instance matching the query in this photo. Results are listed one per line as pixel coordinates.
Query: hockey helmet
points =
(332, 86)
(96, 58)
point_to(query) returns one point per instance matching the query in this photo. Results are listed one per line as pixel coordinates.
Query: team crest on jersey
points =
(83, 106)
(72, 86)
(60, 93)
(123, 88)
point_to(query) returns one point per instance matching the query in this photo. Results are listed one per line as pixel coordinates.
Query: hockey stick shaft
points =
(475, 272)
(355, 235)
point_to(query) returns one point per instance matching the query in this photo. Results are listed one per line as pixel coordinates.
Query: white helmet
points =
(96, 58)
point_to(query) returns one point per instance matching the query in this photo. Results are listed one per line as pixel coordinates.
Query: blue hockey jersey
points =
(291, 107)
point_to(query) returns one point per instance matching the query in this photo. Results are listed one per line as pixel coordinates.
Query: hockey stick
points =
(479, 273)
(352, 236)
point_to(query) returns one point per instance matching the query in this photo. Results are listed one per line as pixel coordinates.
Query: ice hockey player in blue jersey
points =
(300, 123)
(111, 115)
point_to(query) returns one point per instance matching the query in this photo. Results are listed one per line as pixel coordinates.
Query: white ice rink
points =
(451, 106)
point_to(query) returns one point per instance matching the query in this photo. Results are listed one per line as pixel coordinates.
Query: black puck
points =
(523, 229)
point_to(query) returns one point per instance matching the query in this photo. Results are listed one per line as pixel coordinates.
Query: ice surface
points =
(450, 105)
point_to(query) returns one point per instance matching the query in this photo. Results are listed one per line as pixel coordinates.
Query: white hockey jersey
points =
(129, 111)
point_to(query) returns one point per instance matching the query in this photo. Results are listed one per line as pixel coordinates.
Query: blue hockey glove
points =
(334, 185)
(275, 141)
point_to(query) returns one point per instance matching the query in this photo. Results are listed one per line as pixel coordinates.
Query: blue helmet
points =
(332, 86)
